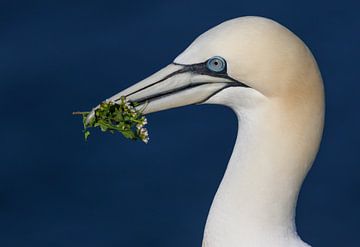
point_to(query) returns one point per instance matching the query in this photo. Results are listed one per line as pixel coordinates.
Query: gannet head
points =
(245, 59)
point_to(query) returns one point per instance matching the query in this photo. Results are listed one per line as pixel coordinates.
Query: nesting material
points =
(121, 116)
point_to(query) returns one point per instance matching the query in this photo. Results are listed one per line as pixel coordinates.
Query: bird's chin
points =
(238, 98)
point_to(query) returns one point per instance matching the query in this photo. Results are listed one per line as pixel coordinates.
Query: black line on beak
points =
(180, 71)
(199, 68)
(179, 89)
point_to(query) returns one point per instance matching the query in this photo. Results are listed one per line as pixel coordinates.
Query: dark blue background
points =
(57, 190)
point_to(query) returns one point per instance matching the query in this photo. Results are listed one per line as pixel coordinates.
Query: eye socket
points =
(216, 64)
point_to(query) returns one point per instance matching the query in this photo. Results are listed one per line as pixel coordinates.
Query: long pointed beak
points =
(174, 86)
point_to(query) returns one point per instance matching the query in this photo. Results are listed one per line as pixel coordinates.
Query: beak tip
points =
(90, 116)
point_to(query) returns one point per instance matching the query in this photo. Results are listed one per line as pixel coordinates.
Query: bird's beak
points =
(174, 86)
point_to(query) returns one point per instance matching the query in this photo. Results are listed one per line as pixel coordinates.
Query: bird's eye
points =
(216, 64)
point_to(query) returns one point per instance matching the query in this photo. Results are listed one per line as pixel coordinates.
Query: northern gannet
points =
(271, 80)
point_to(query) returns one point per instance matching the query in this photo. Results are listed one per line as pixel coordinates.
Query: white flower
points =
(146, 140)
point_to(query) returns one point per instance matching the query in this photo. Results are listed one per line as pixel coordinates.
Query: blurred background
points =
(57, 57)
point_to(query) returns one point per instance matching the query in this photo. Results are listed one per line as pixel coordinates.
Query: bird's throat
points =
(255, 203)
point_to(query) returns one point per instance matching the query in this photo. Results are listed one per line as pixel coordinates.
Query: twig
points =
(79, 112)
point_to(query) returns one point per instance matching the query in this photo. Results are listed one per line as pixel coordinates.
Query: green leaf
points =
(116, 117)
(86, 134)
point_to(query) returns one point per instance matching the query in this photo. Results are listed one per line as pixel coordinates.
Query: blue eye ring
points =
(216, 64)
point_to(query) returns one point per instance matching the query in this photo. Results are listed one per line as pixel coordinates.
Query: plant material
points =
(117, 117)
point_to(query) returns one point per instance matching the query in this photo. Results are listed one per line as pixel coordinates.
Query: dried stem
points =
(79, 112)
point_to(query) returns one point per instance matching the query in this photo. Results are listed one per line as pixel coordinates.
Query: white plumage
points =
(273, 84)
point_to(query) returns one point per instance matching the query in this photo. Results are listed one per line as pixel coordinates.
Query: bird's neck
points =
(255, 203)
